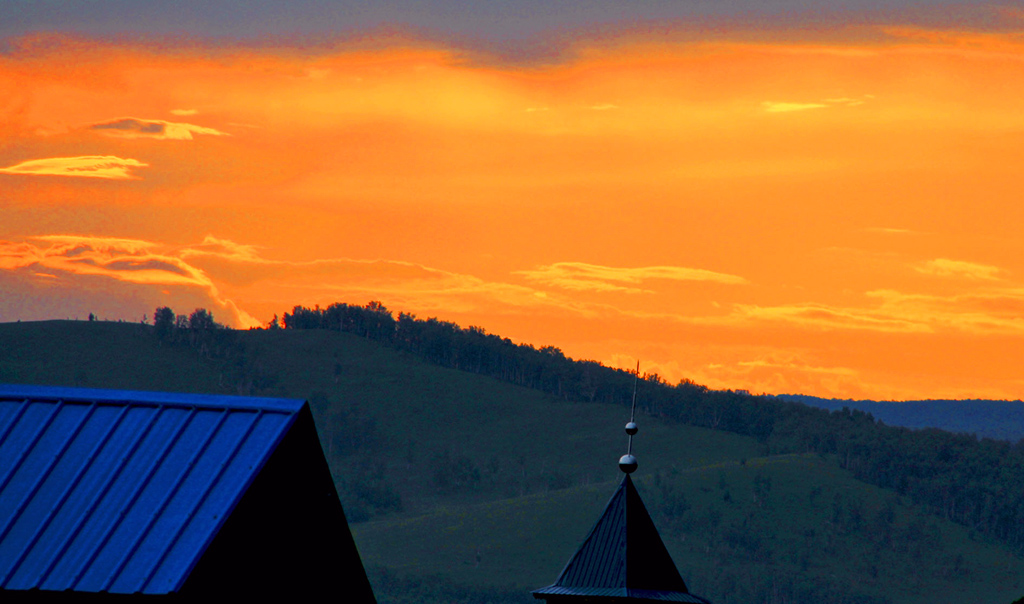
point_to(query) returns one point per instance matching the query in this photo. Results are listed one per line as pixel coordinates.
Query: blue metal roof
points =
(120, 491)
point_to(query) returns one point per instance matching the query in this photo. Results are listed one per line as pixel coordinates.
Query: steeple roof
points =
(622, 557)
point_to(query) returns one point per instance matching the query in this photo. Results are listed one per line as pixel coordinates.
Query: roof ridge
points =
(147, 398)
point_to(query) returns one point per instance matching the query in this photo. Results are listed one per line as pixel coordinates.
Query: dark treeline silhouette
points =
(973, 482)
(198, 330)
(169, 326)
(473, 349)
(244, 373)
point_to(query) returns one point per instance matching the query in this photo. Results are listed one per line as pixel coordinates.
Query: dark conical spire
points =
(623, 559)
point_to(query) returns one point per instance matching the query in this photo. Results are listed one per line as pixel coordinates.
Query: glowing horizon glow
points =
(835, 217)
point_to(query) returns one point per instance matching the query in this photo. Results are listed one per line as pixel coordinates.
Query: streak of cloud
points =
(131, 127)
(223, 248)
(75, 257)
(106, 244)
(991, 311)
(788, 107)
(988, 311)
(580, 276)
(822, 316)
(134, 261)
(944, 267)
(801, 367)
(778, 107)
(85, 166)
(890, 231)
(222, 268)
(409, 284)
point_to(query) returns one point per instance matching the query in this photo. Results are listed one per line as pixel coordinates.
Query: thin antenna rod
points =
(636, 377)
(632, 411)
(627, 463)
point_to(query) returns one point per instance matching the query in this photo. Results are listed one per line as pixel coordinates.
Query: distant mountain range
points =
(1002, 420)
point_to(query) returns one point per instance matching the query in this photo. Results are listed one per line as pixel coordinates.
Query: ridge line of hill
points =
(404, 435)
(957, 476)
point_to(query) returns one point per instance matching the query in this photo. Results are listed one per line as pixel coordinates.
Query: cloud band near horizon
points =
(85, 166)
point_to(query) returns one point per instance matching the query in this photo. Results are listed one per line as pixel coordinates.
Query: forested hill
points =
(462, 489)
(969, 481)
(1002, 420)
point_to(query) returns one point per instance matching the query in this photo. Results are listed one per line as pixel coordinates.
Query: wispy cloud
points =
(221, 265)
(983, 312)
(822, 316)
(794, 366)
(849, 102)
(781, 107)
(435, 290)
(408, 284)
(580, 276)
(890, 231)
(790, 106)
(184, 112)
(943, 267)
(132, 261)
(131, 127)
(85, 166)
(223, 248)
(113, 245)
(987, 311)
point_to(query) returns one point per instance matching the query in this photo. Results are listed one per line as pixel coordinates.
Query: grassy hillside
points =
(463, 488)
(815, 535)
(99, 355)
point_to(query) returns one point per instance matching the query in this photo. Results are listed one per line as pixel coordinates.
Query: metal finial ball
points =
(627, 463)
(631, 428)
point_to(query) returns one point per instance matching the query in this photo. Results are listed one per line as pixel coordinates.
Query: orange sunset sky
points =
(829, 210)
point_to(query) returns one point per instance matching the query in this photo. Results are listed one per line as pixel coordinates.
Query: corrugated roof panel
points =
(87, 515)
(122, 491)
(163, 501)
(53, 506)
(23, 472)
(214, 493)
(119, 516)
